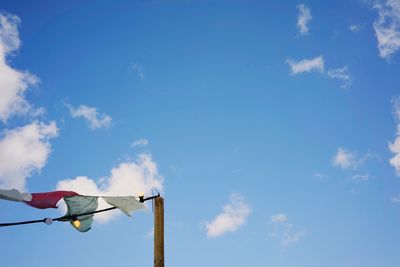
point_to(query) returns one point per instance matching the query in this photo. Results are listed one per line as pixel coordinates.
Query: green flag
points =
(79, 205)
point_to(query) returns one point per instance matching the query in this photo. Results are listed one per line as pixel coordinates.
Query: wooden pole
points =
(159, 232)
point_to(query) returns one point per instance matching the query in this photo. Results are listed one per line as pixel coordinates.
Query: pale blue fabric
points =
(15, 195)
(126, 204)
(79, 205)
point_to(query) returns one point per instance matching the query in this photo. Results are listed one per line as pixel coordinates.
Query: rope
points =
(70, 217)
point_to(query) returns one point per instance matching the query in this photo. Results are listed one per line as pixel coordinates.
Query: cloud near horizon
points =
(233, 216)
(127, 179)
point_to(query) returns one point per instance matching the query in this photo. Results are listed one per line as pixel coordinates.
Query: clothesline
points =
(59, 219)
(81, 208)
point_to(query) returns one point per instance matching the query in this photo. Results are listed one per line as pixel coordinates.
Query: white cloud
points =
(138, 69)
(321, 176)
(91, 115)
(279, 218)
(140, 142)
(355, 27)
(360, 178)
(283, 231)
(387, 27)
(395, 146)
(306, 65)
(303, 19)
(13, 83)
(395, 200)
(9, 34)
(343, 75)
(24, 150)
(318, 64)
(233, 216)
(291, 237)
(345, 159)
(395, 160)
(127, 179)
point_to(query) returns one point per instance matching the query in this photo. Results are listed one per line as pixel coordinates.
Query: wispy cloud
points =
(360, 178)
(306, 65)
(24, 150)
(138, 69)
(395, 200)
(343, 75)
(395, 146)
(345, 159)
(91, 115)
(318, 64)
(140, 142)
(355, 27)
(387, 27)
(350, 161)
(13, 83)
(321, 176)
(279, 218)
(127, 179)
(284, 231)
(232, 217)
(303, 18)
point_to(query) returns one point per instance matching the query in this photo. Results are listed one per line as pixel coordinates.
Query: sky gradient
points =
(272, 129)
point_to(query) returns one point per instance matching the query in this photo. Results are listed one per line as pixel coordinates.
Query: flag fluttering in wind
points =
(126, 204)
(81, 208)
(48, 199)
(15, 195)
(81, 205)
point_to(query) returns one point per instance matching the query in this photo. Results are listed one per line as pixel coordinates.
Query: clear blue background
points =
(223, 115)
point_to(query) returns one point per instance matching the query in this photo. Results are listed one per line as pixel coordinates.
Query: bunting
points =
(81, 205)
(48, 199)
(80, 208)
(15, 195)
(125, 204)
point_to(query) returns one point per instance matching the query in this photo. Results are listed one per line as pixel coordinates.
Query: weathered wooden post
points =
(159, 232)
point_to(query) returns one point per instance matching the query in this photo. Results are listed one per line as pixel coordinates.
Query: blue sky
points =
(272, 129)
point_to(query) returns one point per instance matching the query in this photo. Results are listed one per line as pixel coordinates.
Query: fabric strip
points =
(79, 205)
(126, 204)
(15, 195)
(48, 200)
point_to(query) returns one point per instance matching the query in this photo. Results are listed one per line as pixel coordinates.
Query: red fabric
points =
(48, 199)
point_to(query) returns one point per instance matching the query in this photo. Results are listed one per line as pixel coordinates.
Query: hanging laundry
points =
(126, 204)
(15, 195)
(48, 199)
(80, 205)
(81, 209)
